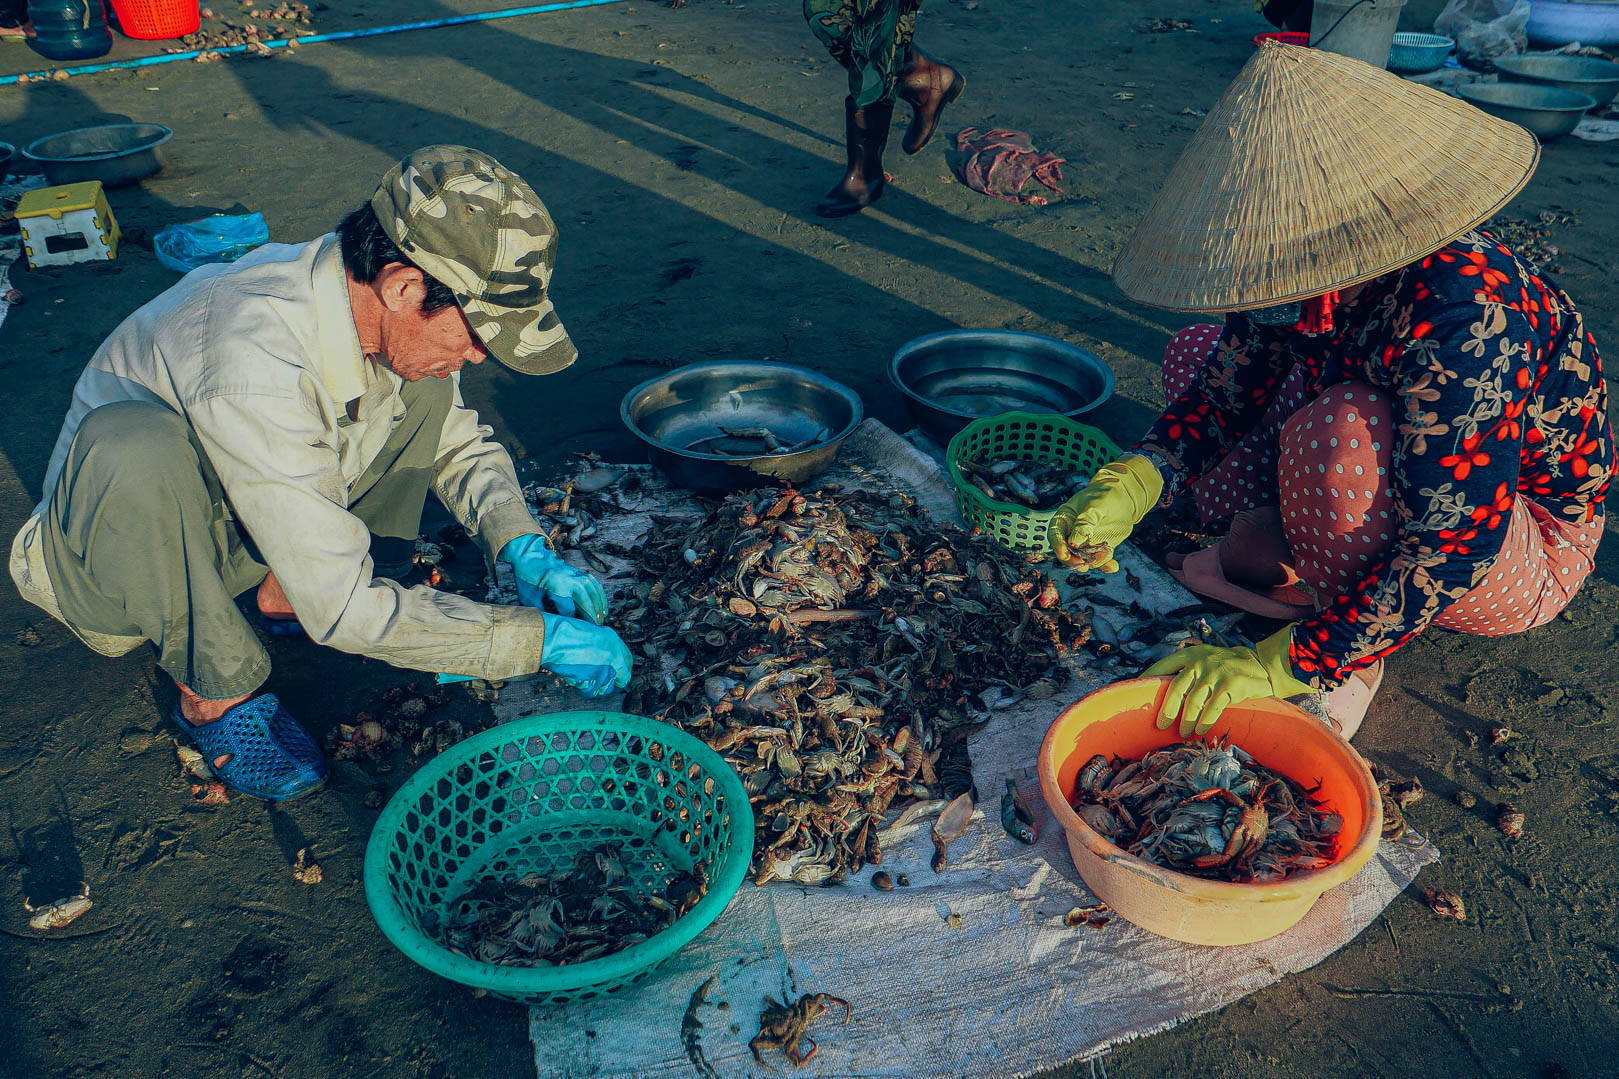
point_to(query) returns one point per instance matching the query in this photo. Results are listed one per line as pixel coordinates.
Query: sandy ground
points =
(680, 152)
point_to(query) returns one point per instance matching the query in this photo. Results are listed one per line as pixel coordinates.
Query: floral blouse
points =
(1503, 395)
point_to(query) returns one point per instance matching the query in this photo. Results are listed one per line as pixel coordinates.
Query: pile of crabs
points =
(834, 646)
(1207, 808)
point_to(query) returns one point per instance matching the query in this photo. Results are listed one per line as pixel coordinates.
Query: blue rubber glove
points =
(592, 659)
(541, 574)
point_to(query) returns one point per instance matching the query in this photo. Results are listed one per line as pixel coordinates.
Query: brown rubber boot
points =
(866, 134)
(927, 86)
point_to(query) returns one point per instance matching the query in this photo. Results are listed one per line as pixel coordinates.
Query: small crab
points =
(211, 793)
(1095, 917)
(427, 554)
(305, 870)
(1445, 903)
(1253, 825)
(59, 912)
(782, 1026)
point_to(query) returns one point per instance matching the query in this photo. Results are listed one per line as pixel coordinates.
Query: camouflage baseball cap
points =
(473, 224)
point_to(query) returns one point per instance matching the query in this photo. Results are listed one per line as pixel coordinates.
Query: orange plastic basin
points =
(1118, 721)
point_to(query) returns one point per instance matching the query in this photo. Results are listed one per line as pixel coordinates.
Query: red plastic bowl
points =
(1286, 37)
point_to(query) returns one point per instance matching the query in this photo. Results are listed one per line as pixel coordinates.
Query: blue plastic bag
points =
(220, 238)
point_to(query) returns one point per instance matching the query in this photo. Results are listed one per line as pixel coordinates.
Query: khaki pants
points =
(139, 540)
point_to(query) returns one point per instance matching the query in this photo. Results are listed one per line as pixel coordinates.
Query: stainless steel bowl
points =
(683, 416)
(1558, 22)
(1583, 74)
(1545, 110)
(115, 154)
(950, 379)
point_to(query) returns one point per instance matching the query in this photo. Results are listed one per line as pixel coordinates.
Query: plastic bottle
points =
(69, 29)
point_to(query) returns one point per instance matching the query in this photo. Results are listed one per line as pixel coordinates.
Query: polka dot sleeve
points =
(1228, 392)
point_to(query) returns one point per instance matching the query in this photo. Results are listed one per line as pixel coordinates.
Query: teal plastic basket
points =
(528, 796)
(1029, 436)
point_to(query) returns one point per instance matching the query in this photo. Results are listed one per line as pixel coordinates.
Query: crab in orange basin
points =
(1253, 825)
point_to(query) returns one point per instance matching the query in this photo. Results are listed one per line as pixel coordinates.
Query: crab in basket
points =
(586, 911)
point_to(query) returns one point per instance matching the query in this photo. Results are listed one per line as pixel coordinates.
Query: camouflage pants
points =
(869, 38)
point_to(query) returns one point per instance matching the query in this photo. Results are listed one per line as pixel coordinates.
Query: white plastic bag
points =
(1485, 30)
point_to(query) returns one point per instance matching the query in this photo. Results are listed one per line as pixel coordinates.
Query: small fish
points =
(760, 434)
(949, 827)
(1015, 816)
(192, 763)
(813, 440)
(597, 479)
(918, 810)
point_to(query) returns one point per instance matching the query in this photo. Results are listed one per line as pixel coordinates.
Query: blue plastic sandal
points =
(271, 756)
(280, 627)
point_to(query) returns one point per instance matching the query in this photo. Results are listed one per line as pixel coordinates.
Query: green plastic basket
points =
(1032, 437)
(528, 796)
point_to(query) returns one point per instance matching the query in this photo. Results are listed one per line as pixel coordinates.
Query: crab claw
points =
(848, 1009)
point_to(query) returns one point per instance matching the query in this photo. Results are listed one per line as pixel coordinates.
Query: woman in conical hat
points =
(1405, 421)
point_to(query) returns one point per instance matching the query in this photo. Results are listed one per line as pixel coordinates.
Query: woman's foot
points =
(927, 86)
(1255, 552)
(1250, 569)
(866, 134)
(1346, 706)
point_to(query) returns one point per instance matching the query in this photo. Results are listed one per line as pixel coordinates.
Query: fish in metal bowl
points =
(727, 425)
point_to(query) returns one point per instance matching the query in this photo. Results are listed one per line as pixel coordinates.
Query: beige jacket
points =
(261, 358)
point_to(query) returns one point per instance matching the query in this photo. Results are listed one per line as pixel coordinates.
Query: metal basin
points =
(1558, 22)
(684, 416)
(950, 379)
(1545, 110)
(1583, 74)
(115, 154)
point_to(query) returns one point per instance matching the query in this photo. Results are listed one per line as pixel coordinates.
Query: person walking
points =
(872, 40)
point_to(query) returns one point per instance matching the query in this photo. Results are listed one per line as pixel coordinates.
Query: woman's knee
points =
(1348, 410)
(1337, 498)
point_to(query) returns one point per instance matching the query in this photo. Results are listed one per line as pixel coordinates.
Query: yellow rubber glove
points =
(1086, 529)
(1208, 678)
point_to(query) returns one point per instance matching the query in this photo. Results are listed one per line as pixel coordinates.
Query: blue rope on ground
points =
(315, 39)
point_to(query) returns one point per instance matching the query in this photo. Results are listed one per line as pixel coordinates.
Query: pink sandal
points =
(1202, 573)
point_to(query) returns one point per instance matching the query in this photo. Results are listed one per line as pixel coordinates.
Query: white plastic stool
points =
(67, 224)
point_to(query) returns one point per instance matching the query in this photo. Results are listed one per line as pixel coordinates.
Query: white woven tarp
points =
(1007, 992)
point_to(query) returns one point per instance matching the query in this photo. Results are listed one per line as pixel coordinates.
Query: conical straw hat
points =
(1315, 172)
